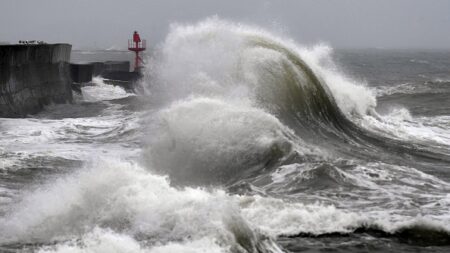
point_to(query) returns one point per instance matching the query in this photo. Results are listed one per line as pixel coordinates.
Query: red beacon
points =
(137, 45)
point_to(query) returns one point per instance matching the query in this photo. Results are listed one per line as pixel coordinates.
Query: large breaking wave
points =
(238, 98)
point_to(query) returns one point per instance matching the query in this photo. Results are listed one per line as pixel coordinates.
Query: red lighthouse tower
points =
(137, 45)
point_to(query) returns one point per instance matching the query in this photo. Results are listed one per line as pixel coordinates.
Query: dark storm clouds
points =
(342, 24)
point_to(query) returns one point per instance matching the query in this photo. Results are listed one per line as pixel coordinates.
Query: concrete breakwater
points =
(32, 76)
(114, 73)
(83, 72)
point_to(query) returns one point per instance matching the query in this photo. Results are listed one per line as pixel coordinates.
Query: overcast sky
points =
(421, 24)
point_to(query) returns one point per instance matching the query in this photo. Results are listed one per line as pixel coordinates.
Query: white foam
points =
(126, 199)
(69, 138)
(115, 206)
(105, 240)
(101, 91)
(202, 135)
(442, 80)
(406, 88)
(276, 217)
(99, 240)
(399, 124)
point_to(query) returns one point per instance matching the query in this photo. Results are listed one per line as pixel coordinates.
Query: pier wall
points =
(32, 76)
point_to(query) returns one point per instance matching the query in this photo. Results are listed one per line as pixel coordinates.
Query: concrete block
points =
(81, 73)
(32, 76)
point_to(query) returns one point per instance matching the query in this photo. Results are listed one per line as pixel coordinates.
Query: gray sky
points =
(421, 24)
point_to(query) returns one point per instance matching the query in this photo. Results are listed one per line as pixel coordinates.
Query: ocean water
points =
(239, 140)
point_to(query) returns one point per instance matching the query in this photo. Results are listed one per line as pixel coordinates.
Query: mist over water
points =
(244, 141)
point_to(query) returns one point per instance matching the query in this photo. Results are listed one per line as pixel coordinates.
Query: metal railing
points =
(140, 45)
